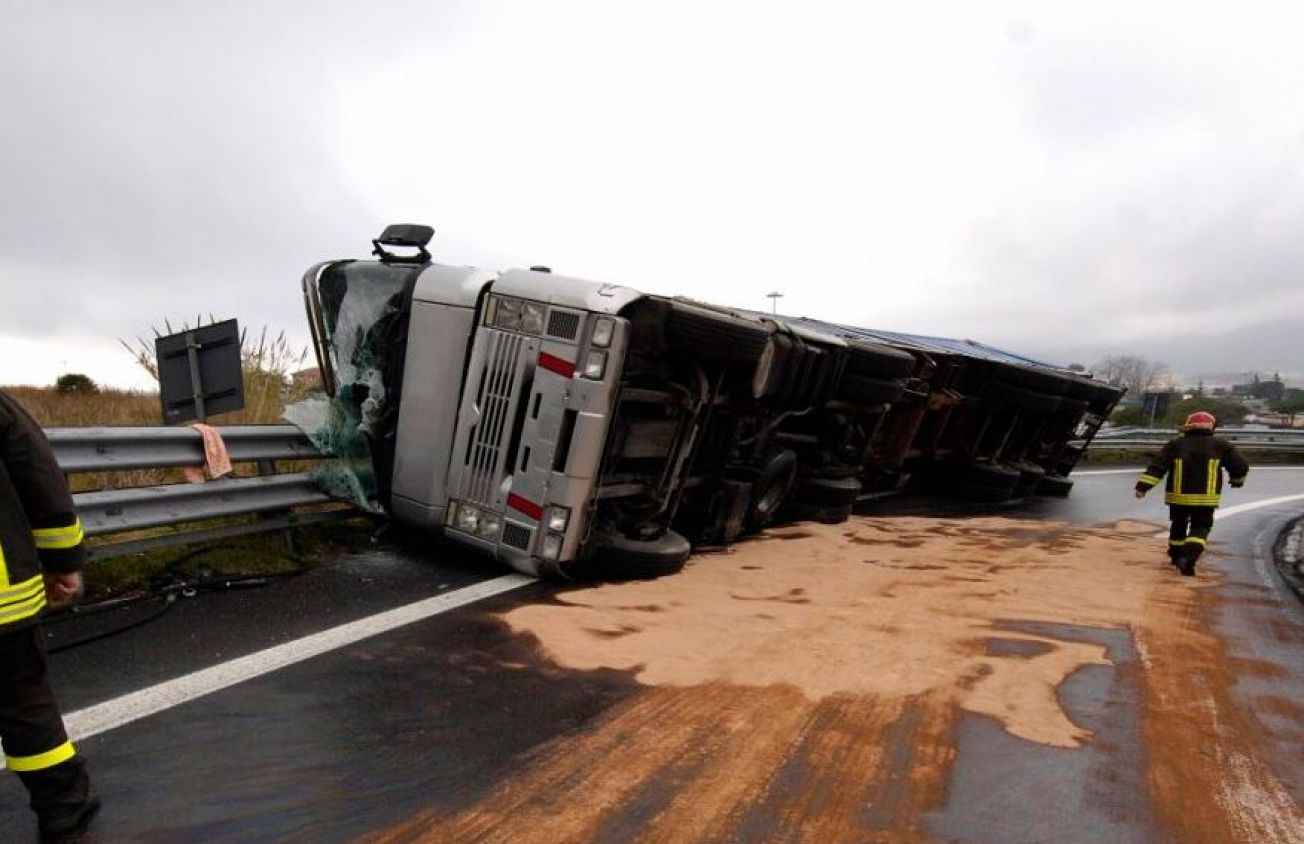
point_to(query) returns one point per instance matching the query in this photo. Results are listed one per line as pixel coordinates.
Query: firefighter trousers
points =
(36, 747)
(1189, 532)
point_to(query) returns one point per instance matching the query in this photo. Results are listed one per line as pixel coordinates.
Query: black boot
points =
(67, 827)
(62, 798)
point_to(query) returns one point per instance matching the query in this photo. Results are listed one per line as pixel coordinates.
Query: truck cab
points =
(547, 420)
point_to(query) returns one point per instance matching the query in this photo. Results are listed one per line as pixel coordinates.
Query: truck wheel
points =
(878, 361)
(982, 493)
(771, 488)
(828, 492)
(1036, 380)
(860, 389)
(709, 334)
(620, 558)
(1022, 398)
(986, 474)
(1030, 478)
(1054, 485)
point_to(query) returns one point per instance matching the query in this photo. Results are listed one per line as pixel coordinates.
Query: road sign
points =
(199, 372)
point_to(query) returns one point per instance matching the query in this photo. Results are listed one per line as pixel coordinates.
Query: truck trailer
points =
(581, 428)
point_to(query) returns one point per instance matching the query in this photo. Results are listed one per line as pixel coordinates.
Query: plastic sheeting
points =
(362, 303)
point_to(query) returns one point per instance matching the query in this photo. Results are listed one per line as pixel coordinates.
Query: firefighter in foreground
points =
(41, 555)
(1194, 464)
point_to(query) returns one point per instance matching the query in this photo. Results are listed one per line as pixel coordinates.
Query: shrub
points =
(75, 382)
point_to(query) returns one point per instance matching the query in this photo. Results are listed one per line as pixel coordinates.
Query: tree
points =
(76, 383)
(1136, 373)
(1291, 406)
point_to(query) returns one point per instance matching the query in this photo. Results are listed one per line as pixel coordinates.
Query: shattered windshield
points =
(363, 305)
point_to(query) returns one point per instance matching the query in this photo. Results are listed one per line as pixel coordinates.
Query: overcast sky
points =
(1059, 179)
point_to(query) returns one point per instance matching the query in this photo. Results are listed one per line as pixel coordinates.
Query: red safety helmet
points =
(1200, 421)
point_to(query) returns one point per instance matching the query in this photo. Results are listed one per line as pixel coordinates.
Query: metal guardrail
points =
(1282, 440)
(116, 449)
(272, 497)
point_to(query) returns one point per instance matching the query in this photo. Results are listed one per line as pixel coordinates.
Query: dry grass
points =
(268, 364)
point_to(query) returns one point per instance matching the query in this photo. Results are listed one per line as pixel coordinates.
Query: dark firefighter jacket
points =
(1193, 464)
(39, 530)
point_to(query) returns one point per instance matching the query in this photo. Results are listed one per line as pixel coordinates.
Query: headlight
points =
(508, 314)
(551, 549)
(468, 518)
(603, 329)
(490, 524)
(595, 365)
(532, 317)
(558, 518)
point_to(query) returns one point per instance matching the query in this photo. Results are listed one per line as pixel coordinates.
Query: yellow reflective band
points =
(41, 761)
(1177, 475)
(20, 610)
(1177, 542)
(1211, 487)
(1148, 480)
(59, 538)
(22, 591)
(1192, 500)
(1195, 540)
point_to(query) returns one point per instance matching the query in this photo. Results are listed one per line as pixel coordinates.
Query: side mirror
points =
(404, 236)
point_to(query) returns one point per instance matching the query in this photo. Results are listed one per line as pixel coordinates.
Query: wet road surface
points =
(545, 714)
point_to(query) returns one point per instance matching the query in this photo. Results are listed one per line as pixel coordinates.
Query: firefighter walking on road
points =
(1194, 464)
(41, 555)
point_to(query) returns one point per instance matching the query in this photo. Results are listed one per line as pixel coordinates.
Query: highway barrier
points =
(271, 497)
(1260, 440)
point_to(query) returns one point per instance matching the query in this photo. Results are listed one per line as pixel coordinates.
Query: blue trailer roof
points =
(942, 345)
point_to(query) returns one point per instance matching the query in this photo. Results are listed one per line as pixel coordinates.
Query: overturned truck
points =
(576, 428)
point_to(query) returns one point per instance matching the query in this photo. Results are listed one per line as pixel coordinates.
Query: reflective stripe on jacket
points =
(1194, 464)
(39, 529)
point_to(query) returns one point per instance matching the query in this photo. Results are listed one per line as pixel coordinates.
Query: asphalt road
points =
(419, 732)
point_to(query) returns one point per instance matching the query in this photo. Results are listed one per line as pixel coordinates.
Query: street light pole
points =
(774, 301)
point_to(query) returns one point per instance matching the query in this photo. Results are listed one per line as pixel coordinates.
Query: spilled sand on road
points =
(808, 685)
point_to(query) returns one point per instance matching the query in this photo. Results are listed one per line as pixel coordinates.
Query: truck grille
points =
(516, 536)
(499, 384)
(563, 325)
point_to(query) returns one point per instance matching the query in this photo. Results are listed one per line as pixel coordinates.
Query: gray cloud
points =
(1051, 178)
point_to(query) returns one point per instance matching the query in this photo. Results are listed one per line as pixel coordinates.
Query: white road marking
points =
(111, 714)
(1224, 512)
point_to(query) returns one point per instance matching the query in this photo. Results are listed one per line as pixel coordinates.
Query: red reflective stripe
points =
(552, 363)
(525, 505)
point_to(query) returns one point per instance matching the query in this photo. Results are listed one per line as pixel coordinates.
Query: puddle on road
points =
(809, 684)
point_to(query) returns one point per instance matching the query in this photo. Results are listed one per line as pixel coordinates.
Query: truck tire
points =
(722, 336)
(827, 492)
(621, 558)
(1037, 380)
(771, 488)
(987, 474)
(1022, 398)
(1030, 480)
(861, 389)
(1082, 389)
(1055, 485)
(877, 361)
(980, 493)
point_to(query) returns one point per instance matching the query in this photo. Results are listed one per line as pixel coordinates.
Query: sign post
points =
(199, 372)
